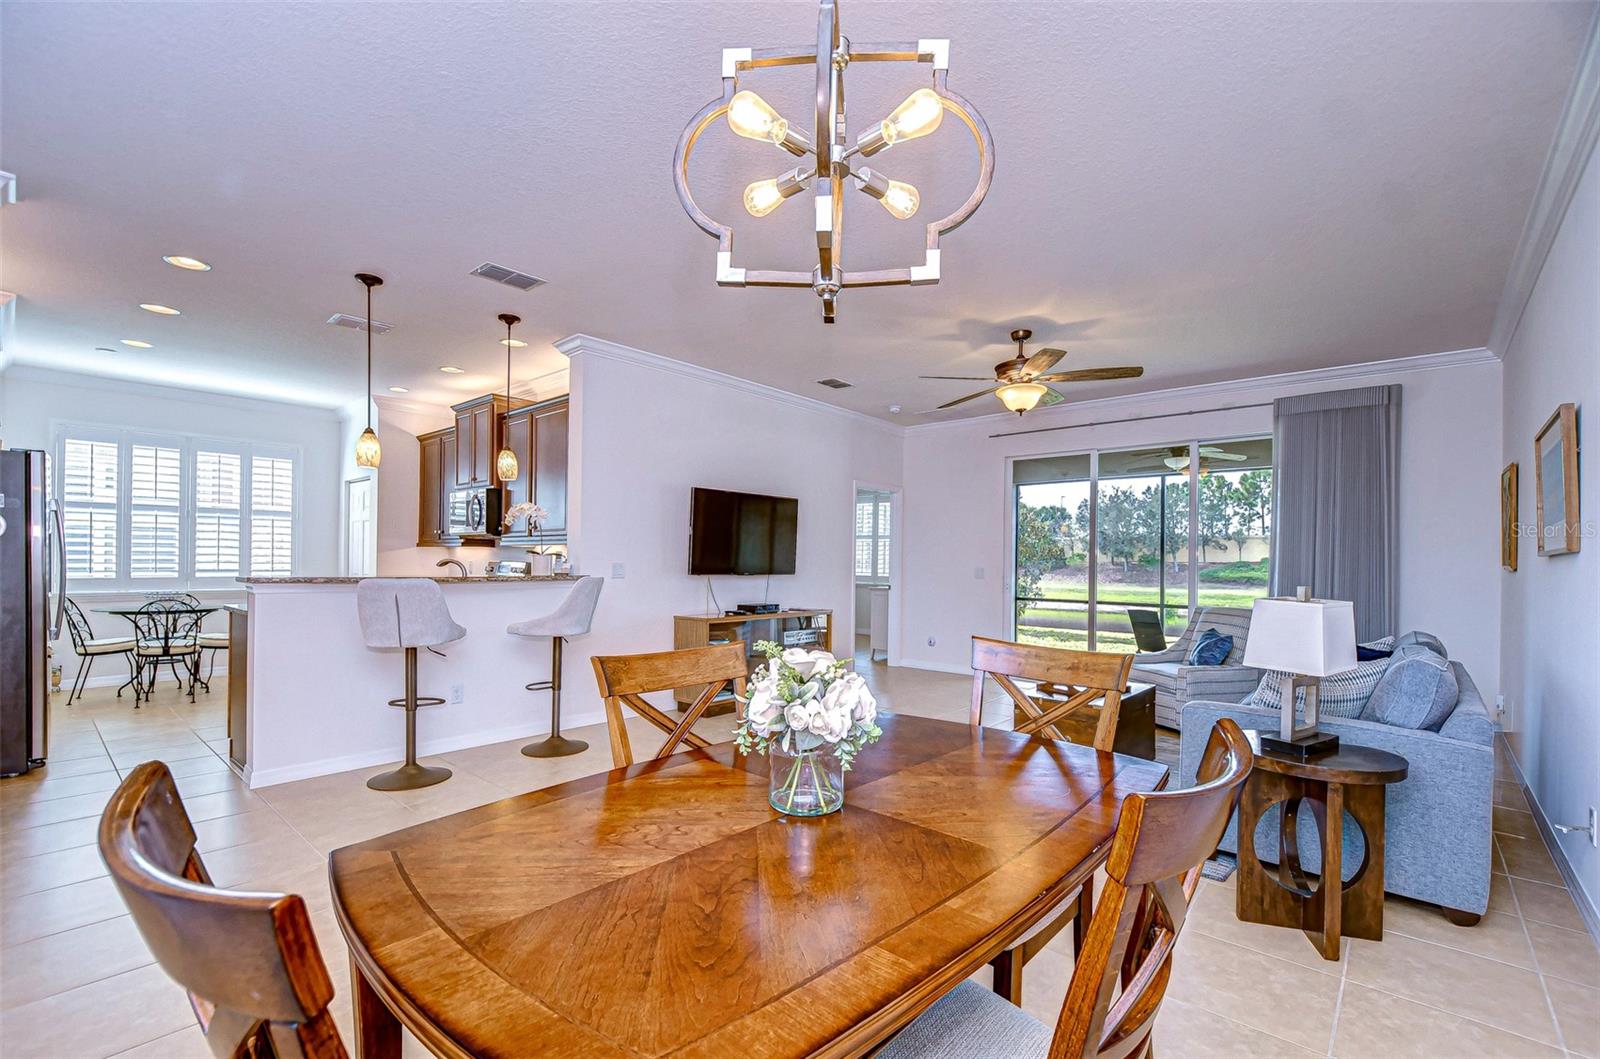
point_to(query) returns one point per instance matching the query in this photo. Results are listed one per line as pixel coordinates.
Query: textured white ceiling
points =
(1213, 191)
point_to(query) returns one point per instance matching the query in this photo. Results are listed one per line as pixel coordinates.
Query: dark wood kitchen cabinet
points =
(478, 426)
(436, 477)
(538, 435)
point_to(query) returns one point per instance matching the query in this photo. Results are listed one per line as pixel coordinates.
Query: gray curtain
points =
(1334, 498)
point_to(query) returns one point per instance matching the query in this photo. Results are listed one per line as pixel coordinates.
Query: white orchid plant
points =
(525, 510)
(803, 701)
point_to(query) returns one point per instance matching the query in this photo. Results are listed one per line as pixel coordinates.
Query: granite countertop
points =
(475, 579)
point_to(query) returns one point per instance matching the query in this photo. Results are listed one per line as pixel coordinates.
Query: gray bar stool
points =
(572, 618)
(407, 612)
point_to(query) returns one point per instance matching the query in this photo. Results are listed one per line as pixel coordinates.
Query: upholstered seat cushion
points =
(404, 612)
(214, 639)
(572, 618)
(111, 645)
(159, 648)
(970, 1022)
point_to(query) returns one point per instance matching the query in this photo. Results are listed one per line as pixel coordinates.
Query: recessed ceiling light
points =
(451, 369)
(398, 389)
(193, 264)
(159, 310)
(514, 343)
(136, 344)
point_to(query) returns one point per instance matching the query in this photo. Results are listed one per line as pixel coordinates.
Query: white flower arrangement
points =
(803, 701)
(525, 510)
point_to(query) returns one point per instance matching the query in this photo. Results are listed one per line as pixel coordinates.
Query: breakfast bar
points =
(315, 696)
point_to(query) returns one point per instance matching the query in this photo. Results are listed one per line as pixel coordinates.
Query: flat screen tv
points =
(741, 533)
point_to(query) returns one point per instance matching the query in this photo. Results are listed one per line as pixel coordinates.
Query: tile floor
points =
(77, 982)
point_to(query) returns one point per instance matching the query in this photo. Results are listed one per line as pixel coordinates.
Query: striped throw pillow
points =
(1341, 695)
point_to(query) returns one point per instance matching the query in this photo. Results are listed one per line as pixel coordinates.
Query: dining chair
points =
(249, 961)
(1065, 682)
(89, 648)
(207, 641)
(624, 679)
(167, 630)
(1121, 973)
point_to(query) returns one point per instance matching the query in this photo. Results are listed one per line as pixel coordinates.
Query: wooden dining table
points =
(666, 909)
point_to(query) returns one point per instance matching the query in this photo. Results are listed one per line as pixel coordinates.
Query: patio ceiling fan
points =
(1020, 383)
(1177, 458)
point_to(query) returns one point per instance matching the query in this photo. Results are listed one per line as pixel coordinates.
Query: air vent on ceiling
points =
(834, 384)
(359, 323)
(509, 276)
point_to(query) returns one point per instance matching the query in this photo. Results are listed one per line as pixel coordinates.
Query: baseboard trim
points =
(254, 777)
(116, 680)
(932, 667)
(1585, 902)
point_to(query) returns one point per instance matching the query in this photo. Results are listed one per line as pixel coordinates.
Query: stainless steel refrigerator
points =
(32, 598)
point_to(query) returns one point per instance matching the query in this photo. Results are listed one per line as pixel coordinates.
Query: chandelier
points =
(829, 159)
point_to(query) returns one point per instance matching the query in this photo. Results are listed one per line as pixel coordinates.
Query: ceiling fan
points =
(1177, 458)
(1020, 381)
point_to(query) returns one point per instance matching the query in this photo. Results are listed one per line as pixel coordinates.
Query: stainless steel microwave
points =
(476, 511)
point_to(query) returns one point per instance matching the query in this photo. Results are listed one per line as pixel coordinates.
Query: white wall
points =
(645, 430)
(33, 398)
(954, 577)
(1551, 605)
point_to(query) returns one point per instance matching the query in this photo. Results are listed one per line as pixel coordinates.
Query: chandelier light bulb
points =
(901, 200)
(1020, 397)
(762, 197)
(918, 115)
(753, 118)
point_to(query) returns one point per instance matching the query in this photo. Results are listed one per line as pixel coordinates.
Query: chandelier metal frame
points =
(831, 160)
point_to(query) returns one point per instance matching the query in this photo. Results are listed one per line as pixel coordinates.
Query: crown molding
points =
(1209, 392)
(581, 344)
(164, 391)
(1570, 151)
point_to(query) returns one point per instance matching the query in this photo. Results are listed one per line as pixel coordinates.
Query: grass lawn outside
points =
(1066, 623)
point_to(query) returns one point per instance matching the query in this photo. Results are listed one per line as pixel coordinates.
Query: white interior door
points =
(360, 530)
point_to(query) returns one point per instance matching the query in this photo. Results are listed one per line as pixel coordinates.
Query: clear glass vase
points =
(807, 783)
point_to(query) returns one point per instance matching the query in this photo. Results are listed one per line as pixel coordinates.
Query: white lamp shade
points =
(1315, 638)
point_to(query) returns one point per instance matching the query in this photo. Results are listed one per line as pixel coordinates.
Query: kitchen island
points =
(315, 696)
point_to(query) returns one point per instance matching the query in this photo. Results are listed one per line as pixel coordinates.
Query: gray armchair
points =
(1177, 683)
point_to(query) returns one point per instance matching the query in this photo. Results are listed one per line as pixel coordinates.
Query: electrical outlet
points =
(1499, 706)
(932, 642)
(618, 571)
(977, 573)
(458, 694)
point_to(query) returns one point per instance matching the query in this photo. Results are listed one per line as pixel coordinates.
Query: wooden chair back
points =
(249, 961)
(1069, 681)
(1126, 960)
(624, 679)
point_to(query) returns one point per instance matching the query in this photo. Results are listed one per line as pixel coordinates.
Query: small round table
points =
(1351, 779)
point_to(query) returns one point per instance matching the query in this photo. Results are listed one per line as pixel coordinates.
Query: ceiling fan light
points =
(1020, 397)
(368, 451)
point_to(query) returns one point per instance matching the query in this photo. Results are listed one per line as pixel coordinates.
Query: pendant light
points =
(505, 464)
(368, 451)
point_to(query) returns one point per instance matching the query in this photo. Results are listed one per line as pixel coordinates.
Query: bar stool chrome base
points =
(555, 744)
(411, 775)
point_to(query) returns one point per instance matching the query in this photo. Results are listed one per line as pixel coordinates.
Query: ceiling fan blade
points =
(1233, 457)
(960, 378)
(964, 400)
(1042, 361)
(1092, 375)
(1050, 397)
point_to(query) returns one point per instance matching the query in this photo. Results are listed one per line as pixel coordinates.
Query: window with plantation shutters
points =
(872, 537)
(155, 489)
(89, 479)
(146, 512)
(218, 481)
(271, 516)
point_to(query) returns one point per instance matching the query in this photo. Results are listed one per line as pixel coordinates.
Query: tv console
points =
(793, 627)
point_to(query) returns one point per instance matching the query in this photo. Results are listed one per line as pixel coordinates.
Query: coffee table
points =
(1349, 780)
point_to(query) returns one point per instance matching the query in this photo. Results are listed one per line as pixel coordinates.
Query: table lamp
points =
(1305, 639)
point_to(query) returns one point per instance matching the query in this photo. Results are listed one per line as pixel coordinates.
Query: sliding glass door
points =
(1155, 553)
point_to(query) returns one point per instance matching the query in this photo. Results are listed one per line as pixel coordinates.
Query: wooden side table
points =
(1352, 779)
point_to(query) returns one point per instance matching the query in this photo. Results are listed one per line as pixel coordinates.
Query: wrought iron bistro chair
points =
(167, 630)
(89, 648)
(208, 641)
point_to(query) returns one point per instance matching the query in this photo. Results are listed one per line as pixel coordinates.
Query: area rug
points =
(1219, 867)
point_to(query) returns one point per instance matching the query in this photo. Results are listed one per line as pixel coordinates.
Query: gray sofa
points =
(1436, 822)
(1176, 683)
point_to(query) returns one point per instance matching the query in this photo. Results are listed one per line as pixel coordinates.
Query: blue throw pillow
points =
(1211, 648)
(1426, 639)
(1418, 690)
